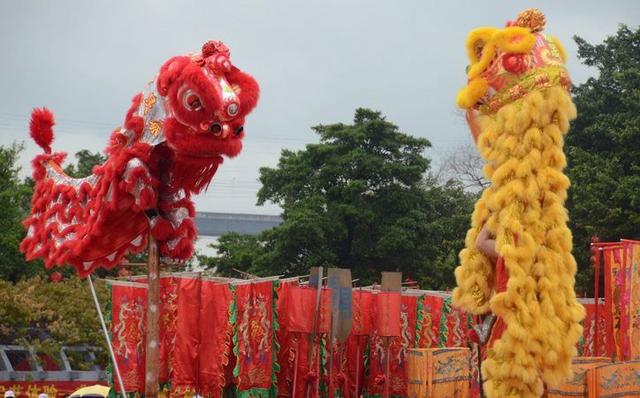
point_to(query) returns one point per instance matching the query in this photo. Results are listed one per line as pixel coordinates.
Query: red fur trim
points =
(249, 89)
(162, 229)
(169, 72)
(41, 128)
(193, 174)
(132, 122)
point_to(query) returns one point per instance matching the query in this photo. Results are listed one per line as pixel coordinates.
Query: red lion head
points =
(207, 100)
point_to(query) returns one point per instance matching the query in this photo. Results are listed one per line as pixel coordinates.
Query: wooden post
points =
(153, 301)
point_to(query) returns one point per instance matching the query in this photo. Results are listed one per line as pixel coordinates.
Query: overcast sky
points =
(316, 61)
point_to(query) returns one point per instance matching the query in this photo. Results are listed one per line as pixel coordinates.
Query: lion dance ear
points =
(169, 72)
(246, 88)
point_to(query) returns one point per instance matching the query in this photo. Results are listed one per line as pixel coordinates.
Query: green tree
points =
(48, 315)
(85, 161)
(15, 197)
(603, 147)
(358, 199)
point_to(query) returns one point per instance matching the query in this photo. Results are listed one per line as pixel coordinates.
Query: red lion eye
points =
(191, 101)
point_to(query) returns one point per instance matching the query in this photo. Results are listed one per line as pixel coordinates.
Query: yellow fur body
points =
(522, 145)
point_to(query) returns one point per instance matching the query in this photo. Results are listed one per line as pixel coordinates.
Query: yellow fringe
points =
(522, 144)
(514, 39)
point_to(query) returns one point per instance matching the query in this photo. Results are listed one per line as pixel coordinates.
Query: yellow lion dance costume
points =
(519, 108)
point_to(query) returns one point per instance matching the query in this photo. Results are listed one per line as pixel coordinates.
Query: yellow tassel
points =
(522, 144)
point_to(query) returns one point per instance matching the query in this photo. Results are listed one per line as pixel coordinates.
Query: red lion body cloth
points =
(171, 144)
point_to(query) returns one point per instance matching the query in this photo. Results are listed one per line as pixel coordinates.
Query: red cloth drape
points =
(387, 314)
(399, 345)
(187, 342)
(614, 295)
(298, 318)
(286, 339)
(589, 347)
(215, 337)
(633, 261)
(128, 312)
(299, 314)
(255, 336)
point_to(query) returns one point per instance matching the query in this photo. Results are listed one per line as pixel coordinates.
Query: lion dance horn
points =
(518, 99)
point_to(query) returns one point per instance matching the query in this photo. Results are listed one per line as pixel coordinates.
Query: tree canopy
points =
(357, 199)
(603, 147)
(15, 201)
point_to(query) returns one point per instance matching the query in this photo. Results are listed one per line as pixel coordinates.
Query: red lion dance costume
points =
(517, 263)
(171, 144)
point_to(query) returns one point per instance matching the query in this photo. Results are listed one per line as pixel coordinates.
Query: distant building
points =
(216, 224)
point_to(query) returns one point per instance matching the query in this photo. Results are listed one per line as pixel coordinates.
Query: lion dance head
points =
(518, 108)
(174, 137)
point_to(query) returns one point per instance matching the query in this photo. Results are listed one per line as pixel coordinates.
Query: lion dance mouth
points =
(173, 140)
(519, 110)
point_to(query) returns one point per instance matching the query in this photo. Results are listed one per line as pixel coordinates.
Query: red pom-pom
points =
(41, 128)
(55, 277)
(380, 380)
(161, 229)
(214, 47)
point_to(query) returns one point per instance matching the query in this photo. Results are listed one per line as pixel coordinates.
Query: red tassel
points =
(41, 128)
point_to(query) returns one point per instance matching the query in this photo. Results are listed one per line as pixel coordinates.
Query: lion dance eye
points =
(232, 109)
(191, 101)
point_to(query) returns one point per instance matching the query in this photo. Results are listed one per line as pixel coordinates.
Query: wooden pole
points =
(153, 301)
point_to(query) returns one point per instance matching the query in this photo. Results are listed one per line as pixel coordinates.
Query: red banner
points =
(431, 312)
(633, 260)
(128, 314)
(387, 314)
(362, 313)
(286, 339)
(254, 337)
(299, 315)
(187, 340)
(215, 338)
(397, 351)
(457, 325)
(589, 346)
(614, 295)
